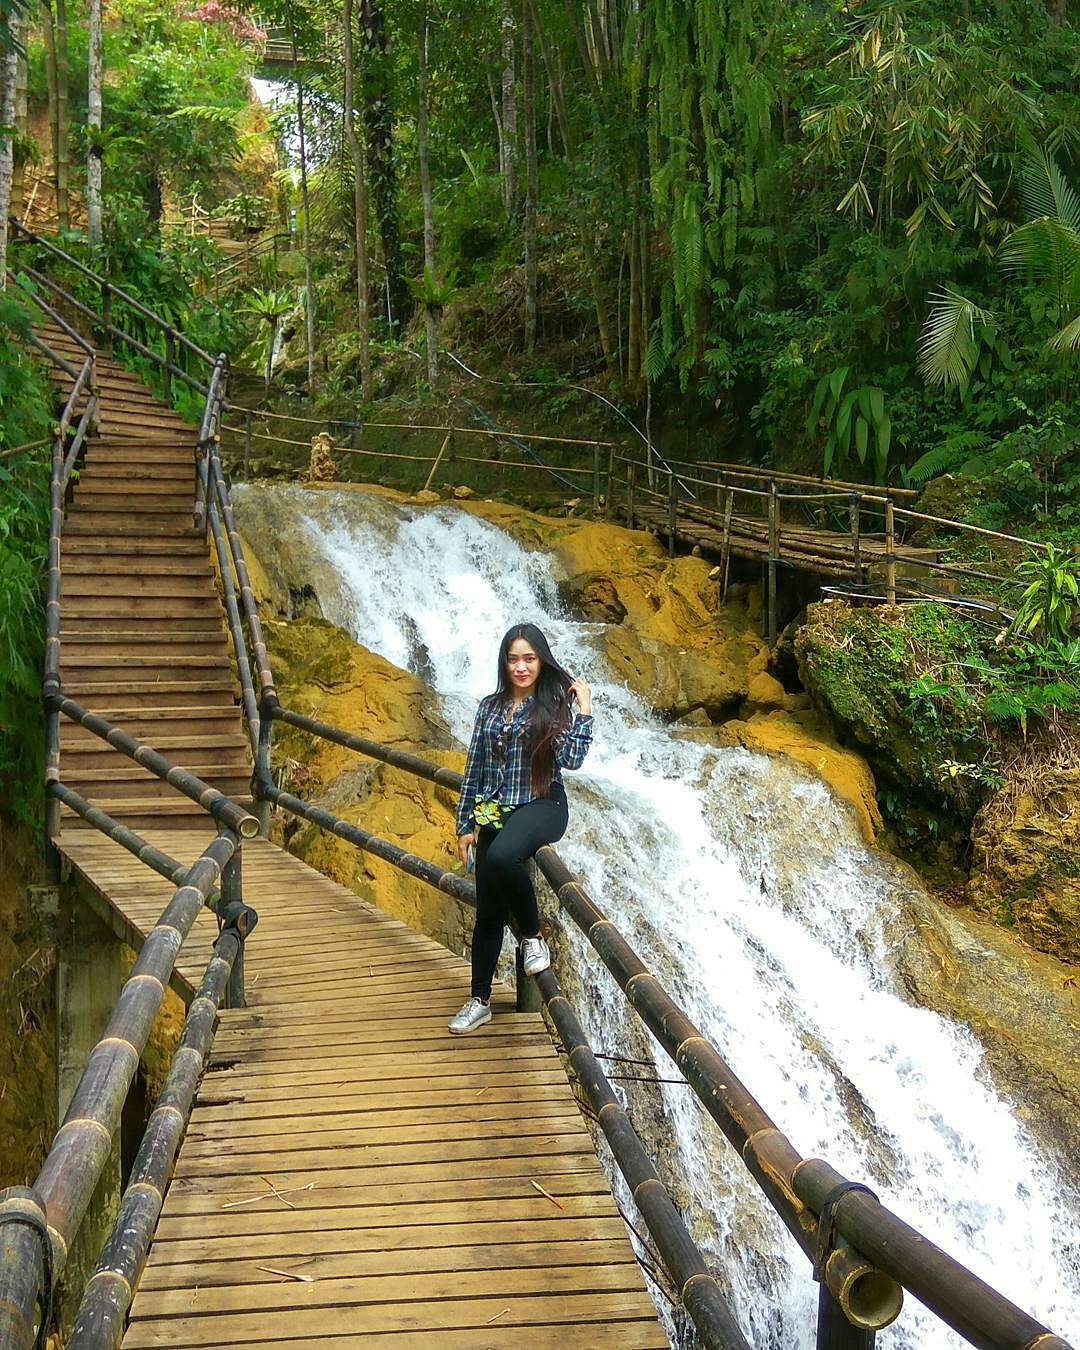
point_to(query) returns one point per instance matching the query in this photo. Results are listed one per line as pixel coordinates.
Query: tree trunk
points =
(305, 197)
(633, 321)
(360, 208)
(380, 144)
(18, 169)
(48, 31)
(532, 180)
(63, 119)
(508, 164)
(431, 318)
(93, 124)
(495, 113)
(9, 74)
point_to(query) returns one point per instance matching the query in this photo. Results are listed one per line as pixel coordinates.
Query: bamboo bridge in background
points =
(323, 1164)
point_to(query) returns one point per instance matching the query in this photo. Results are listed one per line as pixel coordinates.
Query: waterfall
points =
(749, 894)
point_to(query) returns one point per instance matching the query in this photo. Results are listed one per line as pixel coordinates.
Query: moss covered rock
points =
(321, 671)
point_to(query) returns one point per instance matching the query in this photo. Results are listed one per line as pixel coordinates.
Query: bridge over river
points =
(323, 1164)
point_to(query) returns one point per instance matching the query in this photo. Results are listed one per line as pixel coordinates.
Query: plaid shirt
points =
(498, 768)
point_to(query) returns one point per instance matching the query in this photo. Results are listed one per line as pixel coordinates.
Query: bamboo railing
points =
(38, 1224)
(863, 1254)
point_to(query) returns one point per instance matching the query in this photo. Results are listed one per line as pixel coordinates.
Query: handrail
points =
(155, 858)
(225, 811)
(801, 1190)
(47, 1216)
(702, 1297)
(99, 1321)
(17, 227)
(112, 330)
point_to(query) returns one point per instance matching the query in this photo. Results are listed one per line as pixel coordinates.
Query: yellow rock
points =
(807, 741)
(322, 671)
(766, 691)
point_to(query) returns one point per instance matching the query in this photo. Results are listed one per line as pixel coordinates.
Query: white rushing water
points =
(748, 892)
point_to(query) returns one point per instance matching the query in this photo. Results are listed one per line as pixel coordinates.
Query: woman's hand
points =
(464, 843)
(583, 694)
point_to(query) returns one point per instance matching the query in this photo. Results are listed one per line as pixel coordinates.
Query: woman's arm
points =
(473, 765)
(572, 745)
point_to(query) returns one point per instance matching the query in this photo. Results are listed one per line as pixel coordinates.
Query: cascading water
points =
(746, 890)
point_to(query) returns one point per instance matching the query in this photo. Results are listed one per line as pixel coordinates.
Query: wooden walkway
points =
(352, 1173)
(823, 552)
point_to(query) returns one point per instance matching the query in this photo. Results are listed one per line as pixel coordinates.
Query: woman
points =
(512, 800)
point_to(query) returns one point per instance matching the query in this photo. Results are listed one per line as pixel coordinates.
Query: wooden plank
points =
(386, 1319)
(363, 1295)
(226, 1253)
(508, 1252)
(518, 1202)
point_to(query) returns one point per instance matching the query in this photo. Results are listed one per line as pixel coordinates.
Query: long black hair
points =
(551, 700)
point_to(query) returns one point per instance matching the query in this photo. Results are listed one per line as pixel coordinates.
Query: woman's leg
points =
(487, 937)
(523, 831)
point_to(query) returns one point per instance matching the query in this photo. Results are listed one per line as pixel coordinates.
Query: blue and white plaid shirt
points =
(498, 769)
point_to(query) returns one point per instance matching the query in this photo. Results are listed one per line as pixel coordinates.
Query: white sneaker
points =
(474, 1014)
(535, 955)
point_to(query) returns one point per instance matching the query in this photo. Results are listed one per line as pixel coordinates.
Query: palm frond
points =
(1044, 250)
(1068, 338)
(949, 345)
(1046, 191)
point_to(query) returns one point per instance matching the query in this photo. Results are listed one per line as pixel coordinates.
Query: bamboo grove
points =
(782, 225)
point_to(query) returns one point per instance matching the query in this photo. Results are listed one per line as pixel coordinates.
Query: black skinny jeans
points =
(504, 888)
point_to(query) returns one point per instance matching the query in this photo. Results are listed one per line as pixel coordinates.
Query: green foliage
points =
(853, 420)
(25, 416)
(1050, 602)
(940, 703)
(1044, 253)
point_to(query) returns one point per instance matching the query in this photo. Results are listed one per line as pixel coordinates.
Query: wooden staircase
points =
(142, 638)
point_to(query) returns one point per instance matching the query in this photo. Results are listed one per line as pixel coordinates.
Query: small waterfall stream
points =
(748, 892)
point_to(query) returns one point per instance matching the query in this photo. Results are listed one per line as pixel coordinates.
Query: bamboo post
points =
(437, 460)
(774, 553)
(834, 1331)
(596, 479)
(106, 316)
(671, 513)
(232, 902)
(247, 445)
(170, 361)
(855, 510)
(631, 472)
(725, 548)
(890, 553)
(609, 505)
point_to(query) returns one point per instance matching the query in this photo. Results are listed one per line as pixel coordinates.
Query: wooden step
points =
(135, 783)
(124, 455)
(99, 666)
(146, 814)
(138, 641)
(98, 583)
(105, 527)
(153, 724)
(231, 748)
(131, 607)
(94, 485)
(211, 693)
(100, 468)
(122, 565)
(85, 520)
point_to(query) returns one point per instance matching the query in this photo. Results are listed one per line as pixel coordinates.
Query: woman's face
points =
(523, 666)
